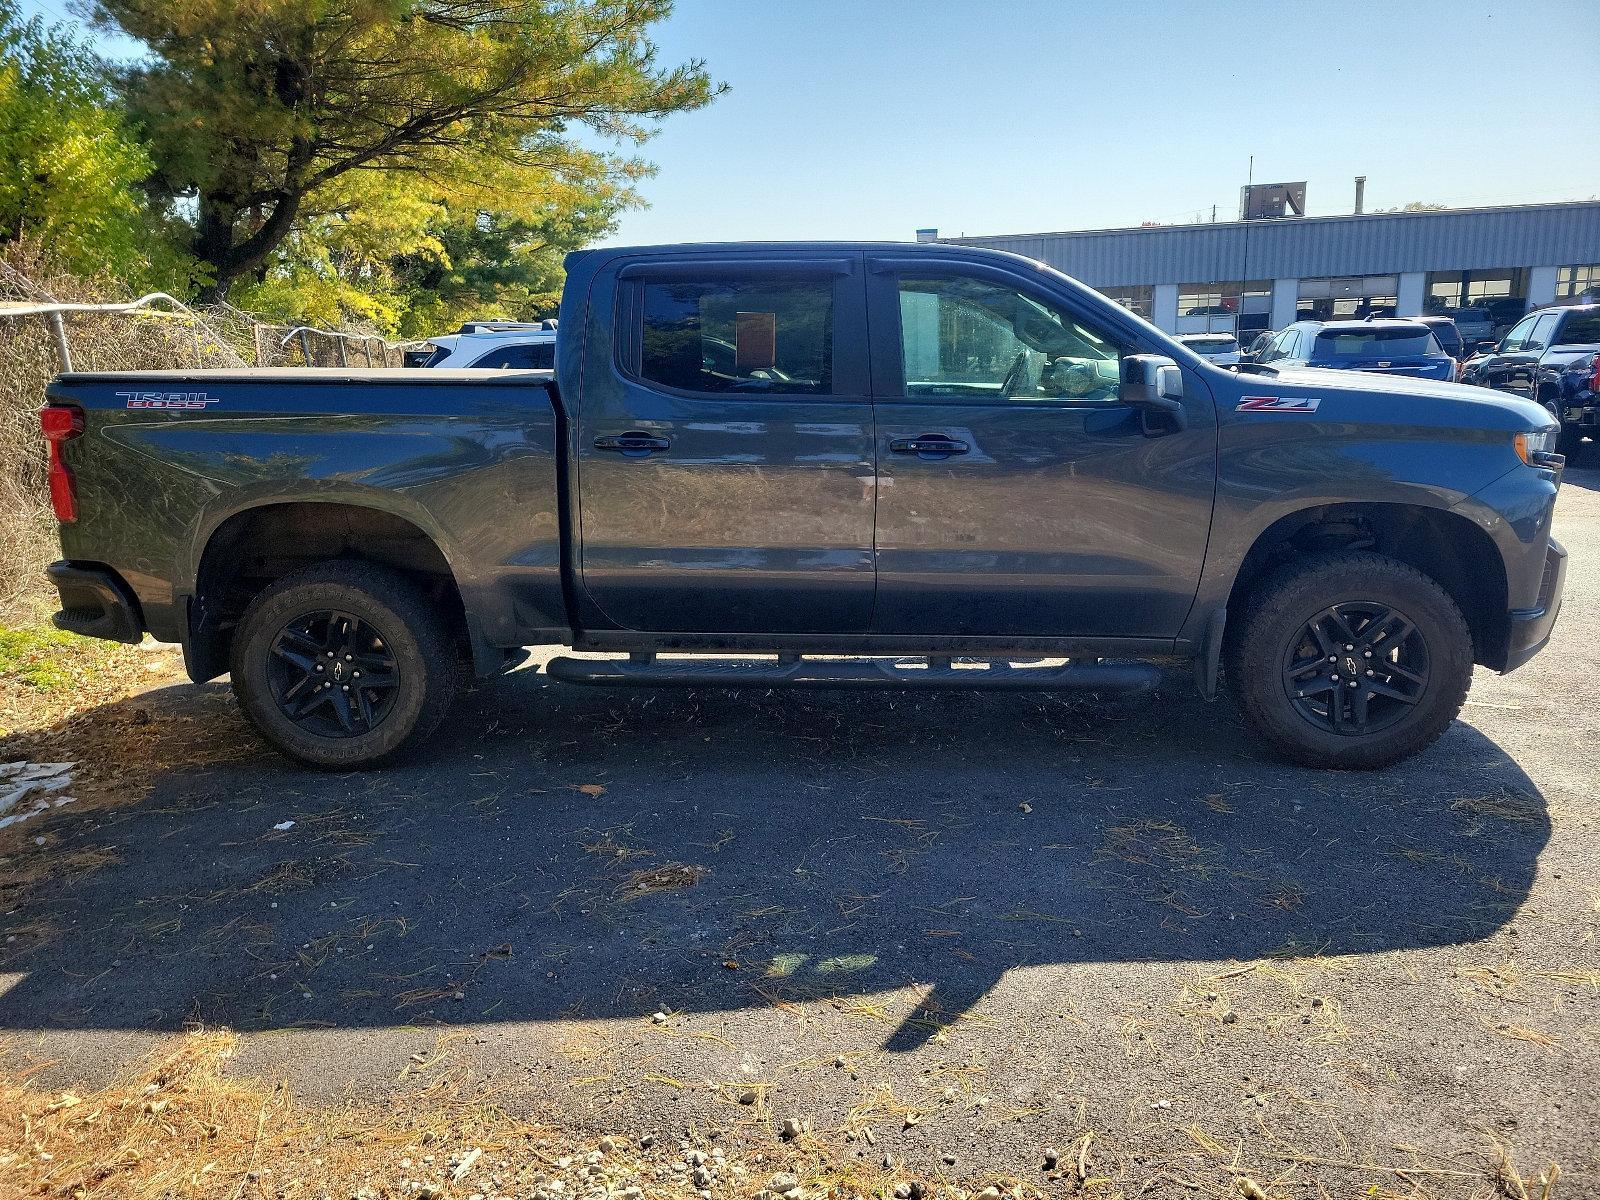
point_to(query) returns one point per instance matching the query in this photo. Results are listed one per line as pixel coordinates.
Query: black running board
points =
(794, 671)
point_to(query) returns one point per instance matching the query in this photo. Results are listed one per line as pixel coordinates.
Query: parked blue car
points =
(1385, 347)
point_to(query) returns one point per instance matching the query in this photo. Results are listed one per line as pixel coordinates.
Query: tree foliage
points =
(323, 127)
(68, 164)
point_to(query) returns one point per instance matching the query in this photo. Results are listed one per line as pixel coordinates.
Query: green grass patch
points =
(37, 656)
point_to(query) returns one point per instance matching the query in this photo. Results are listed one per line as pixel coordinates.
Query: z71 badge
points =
(1277, 404)
(184, 400)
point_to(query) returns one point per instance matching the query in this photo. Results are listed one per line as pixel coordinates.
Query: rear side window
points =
(524, 356)
(739, 335)
(1578, 330)
(1376, 343)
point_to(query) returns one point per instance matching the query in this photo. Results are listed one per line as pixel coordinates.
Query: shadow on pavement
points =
(561, 852)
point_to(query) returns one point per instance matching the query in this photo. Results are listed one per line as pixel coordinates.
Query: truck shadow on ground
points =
(560, 852)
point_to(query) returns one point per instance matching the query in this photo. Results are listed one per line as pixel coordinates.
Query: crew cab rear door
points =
(725, 472)
(1017, 495)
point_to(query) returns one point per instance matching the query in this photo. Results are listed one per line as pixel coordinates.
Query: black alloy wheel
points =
(1356, 668)
(333, 674)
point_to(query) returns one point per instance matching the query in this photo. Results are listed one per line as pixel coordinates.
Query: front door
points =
(1017, 495)
(1508, 369)
(725, 457)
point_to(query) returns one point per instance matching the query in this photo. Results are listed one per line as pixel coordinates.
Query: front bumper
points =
(1530, 627)
(95, 603)
(1583, 413)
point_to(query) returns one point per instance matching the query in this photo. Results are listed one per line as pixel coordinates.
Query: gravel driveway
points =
(976, 925)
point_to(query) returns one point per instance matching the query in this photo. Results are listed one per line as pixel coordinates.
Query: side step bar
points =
(644, 670)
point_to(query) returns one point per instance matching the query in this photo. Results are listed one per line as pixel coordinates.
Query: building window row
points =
(1139, 298)
(1574, 283)
(1498, 295)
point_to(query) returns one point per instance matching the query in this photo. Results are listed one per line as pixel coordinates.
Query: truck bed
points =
(169, 458)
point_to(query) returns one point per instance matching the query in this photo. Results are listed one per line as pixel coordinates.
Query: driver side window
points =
(962, 337)
(1517, 336)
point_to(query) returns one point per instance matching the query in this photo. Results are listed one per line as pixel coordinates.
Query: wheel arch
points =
(1446, 546)
(253, 546)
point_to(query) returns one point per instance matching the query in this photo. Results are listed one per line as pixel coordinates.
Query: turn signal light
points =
(60, 423)
(1538, 449)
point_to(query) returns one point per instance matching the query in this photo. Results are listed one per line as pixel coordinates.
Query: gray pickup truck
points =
(827, 465)
(1552, 357)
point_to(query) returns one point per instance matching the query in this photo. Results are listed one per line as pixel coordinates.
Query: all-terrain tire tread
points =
(1253, 671)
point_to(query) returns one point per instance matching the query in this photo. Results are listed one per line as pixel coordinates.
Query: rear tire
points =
(343, 666)
(1322, 623)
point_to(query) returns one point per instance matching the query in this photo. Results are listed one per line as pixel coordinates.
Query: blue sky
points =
(873, 118)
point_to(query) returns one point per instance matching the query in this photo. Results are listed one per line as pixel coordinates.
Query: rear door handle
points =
(634, 443)
(929, 445)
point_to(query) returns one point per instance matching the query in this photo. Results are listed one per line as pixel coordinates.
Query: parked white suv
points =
(1220, 348)
(518, 345)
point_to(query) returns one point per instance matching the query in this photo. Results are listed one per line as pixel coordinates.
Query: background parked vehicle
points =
(1260, 345)
(490, 343)
(1504, 312)
(1552, 357)
(1220, 348)
(1449, 337)
(517, 348)
(1386, 347)
(1473, 324)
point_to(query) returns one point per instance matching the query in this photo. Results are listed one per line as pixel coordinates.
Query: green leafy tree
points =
(375, 250)
(69, 167)
(498, 264)
(258, 111)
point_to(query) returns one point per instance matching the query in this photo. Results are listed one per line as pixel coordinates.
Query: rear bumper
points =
(95, 602)
(1530, 627)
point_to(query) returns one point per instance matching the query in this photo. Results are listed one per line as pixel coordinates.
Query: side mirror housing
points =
(1153, 384)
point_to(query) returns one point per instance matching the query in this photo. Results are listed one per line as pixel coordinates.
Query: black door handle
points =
(929, 445)
(633, 443)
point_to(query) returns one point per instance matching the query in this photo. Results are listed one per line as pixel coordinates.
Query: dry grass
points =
(182, 1126)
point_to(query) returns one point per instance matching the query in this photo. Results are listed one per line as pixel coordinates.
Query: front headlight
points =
(1538, 449)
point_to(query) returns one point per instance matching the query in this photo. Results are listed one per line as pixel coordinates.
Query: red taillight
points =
(61, 423)
(1594, 379)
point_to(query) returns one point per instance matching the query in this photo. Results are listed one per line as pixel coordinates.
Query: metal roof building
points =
(1265, 273)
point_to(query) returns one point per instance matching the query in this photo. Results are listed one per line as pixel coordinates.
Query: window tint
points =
(965, 337)
(1579, 330)
(1517, 336)
(1542, 329)
(739, 335)
(1376, 343)
(522, 356)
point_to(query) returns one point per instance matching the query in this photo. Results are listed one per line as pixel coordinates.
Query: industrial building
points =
(1266, 273)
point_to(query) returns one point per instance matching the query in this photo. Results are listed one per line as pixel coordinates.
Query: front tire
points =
(344, 665)
(1350, 660)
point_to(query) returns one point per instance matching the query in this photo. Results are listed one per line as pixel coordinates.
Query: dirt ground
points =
(954, 930)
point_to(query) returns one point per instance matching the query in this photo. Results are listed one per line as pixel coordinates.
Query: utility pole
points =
(1244, 255)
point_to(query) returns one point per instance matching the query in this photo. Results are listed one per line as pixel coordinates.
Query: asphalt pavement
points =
(1012, 917)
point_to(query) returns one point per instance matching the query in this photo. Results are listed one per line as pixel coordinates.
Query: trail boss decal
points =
(1277, 404)
(184, 400)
